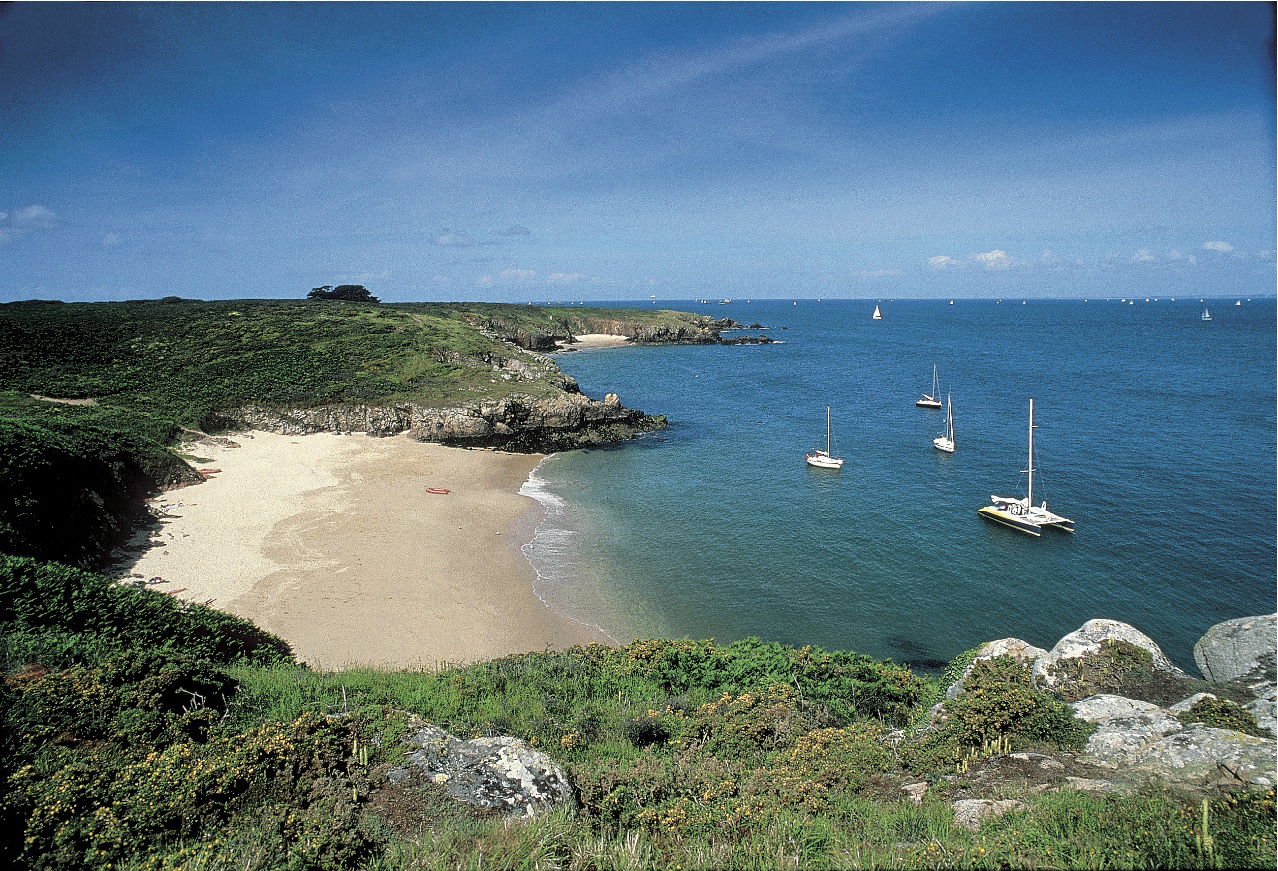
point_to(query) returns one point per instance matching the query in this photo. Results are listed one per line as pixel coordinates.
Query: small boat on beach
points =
(945, 441)
(878, 315)
(933, 399)
(1022, 514)
(823, 459)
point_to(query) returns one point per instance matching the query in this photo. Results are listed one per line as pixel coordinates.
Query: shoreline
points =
(333, 543)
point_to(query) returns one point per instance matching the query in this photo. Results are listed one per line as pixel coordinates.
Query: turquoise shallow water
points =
(1156, 435)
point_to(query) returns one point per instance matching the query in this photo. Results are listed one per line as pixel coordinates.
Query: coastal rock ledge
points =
(513, 423)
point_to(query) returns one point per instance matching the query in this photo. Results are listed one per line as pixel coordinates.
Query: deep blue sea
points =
(1156, 434)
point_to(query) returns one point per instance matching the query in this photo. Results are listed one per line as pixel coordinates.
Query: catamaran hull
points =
(1015, 522)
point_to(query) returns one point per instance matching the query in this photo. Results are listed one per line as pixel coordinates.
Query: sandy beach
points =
(334, 543)
(587, 341)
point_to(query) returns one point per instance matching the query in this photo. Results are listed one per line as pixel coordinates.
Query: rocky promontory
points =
(518, 422)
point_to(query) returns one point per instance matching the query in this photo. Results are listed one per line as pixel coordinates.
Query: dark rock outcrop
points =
(515, 423)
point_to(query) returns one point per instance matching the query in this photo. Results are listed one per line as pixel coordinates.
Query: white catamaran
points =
(1023, 514)
(933, 399)
(823, 459)
(946, 442)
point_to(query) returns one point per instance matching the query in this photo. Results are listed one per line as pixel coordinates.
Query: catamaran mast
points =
(1029, 496)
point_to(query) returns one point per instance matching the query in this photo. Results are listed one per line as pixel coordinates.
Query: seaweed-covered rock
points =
(1238, 649)
(500, 774)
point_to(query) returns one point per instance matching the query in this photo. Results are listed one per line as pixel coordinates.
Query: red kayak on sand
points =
(438, 491)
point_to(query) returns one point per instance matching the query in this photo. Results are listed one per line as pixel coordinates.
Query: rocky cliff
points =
(680, 328)
(517, 422)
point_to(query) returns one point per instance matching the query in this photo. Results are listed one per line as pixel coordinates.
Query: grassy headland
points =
(148, 371)
(138, 731)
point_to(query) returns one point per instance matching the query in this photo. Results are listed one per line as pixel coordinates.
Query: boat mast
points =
(1029, 497)
(827, 430)
(949, 416)
(934, 384)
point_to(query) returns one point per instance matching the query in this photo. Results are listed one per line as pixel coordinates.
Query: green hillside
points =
(144, 372)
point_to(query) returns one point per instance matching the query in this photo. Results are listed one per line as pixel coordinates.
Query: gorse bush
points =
(999, 702)
(1222, 714)
(45, 603)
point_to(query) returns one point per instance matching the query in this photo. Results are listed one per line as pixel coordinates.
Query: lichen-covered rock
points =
(1022, 651)
(1238, 649)
(970, 813)
(1109, 657)
(501, 774)
(1125, 728)
(1141, 738)
(1200, 755)
(1265, 707)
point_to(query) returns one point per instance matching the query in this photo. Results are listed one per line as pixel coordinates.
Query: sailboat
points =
(878, 315)
(1023, 514)
(1206, 315)
(822, 459)
(946, 442)
(1238, 302)
(930, 400)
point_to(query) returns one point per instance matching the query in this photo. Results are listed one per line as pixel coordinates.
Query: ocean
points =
(1156, 435)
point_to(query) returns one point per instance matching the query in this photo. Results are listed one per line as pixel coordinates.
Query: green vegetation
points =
(142, 732)
(139, 732)
(1223, 714)
(144, 372)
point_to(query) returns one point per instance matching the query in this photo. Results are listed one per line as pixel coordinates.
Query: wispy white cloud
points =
(943, 262)
(24, 221)
(1143, 255)
(1222, 247)
(996, 259)
(515, 230)
(517, 274)
(564, 277)
(110, 240)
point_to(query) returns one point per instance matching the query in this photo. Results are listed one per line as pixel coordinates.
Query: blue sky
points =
(545, 151)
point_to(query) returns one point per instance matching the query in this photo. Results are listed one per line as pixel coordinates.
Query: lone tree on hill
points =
(349, 292)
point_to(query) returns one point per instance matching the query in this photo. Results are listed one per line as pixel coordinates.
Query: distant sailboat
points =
(1239, 302)
(946, 442)
(1023, 514)
(951, 302)
(878, 315)
(1206, 315)
(822, 459)
(933, 399)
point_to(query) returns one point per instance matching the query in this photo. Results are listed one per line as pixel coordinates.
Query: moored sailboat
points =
(933, 399)
(946, 442)
(823, 459)
(878, 315)
(1206, 315)
(1023, 514)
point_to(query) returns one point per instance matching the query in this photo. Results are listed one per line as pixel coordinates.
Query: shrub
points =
(40, 597)
(1223, 714)
(999, 701)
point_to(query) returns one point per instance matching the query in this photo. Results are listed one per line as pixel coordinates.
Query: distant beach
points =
(334, 543)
